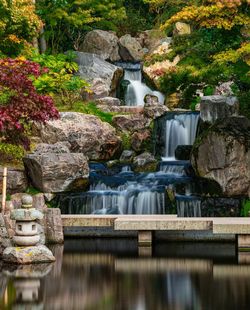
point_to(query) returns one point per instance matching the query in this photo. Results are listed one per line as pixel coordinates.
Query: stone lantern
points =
(26, 239)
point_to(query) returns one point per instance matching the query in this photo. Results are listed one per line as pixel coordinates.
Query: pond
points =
(109, 274)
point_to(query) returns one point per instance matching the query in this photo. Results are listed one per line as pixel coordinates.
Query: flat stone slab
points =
(162, 223)
(97, 220)
(28, 255)
(231, 225)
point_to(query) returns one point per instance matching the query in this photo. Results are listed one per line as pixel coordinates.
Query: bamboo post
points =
(4, 189)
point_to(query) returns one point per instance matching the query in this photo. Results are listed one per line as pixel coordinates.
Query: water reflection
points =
(84, 278)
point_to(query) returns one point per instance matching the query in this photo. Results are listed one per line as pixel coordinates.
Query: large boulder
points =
(223, 155)
(86, 134)
(130, 49)
(218, 107)
(130, 123)
(102, 75)
(102, 43)
(16, 180)
(54, 171)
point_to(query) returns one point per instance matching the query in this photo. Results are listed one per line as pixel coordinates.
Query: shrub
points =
(59, 81)
(20, 103)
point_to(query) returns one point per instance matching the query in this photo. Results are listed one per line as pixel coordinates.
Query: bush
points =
(20, 104)
(11, 153)
(59, 81)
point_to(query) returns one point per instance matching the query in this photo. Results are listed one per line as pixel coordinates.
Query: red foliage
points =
(24, 105)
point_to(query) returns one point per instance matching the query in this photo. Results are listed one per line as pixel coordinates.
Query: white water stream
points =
(137, 89)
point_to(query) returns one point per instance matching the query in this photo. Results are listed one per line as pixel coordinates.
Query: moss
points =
(126, 140)
(245, 210)
(79, 184)
(87, 108)
(152, 167)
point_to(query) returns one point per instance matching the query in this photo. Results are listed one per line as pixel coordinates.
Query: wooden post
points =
(4, 189)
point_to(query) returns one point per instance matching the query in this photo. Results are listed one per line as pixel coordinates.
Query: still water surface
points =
(109, 274)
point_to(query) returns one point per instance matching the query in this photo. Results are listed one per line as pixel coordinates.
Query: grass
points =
(87, 108)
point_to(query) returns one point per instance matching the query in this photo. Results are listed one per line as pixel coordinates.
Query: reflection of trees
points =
(227, 292)
(106, 282)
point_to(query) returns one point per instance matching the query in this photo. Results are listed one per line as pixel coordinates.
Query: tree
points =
(20, 104)
(18, 26)
(217, 50)
(66, 21)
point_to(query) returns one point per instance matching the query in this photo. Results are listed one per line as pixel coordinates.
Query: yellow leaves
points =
(233, 55)
(13, 38)
(214, 15)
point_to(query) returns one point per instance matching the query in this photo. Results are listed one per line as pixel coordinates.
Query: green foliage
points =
(67, 21)
(60, 81)
(138, 18)
(18, 26)
(126, 140)
(11, 153)
(245, 211)
(32, 191)
(88, 108)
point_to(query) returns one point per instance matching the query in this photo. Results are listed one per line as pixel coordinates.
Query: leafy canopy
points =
(19, 24)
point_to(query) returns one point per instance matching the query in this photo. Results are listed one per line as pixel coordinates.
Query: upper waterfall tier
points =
(137, 89)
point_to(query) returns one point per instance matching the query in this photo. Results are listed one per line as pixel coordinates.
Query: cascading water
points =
(119, 190)
(136, 88)
(188, 206)
(181, 130)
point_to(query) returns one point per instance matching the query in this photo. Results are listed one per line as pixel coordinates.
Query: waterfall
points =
(137, 90)
(188, 206)
(181, 130)
(175, 168)
(130, 198)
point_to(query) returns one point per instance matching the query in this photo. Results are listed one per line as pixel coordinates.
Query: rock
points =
(48, 196)
(218, 107)
(183, 152)
(223, 155)
(102, 43)
(26, 215)
(56, 172)
(39, 202)
(109, 101)
(86, 134)
(153, 110)
(151, 100)
(54, 227)
(16, 180)
(130, 49)
(4, 236)
(151, 39)
(130, 123)
(181, 29)
(145, 162)
(141, 140)
(173, 100)
(224, 89)
(103, 77)
(17, 200)
(28, 255)
(57, 148)
(127, 156)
